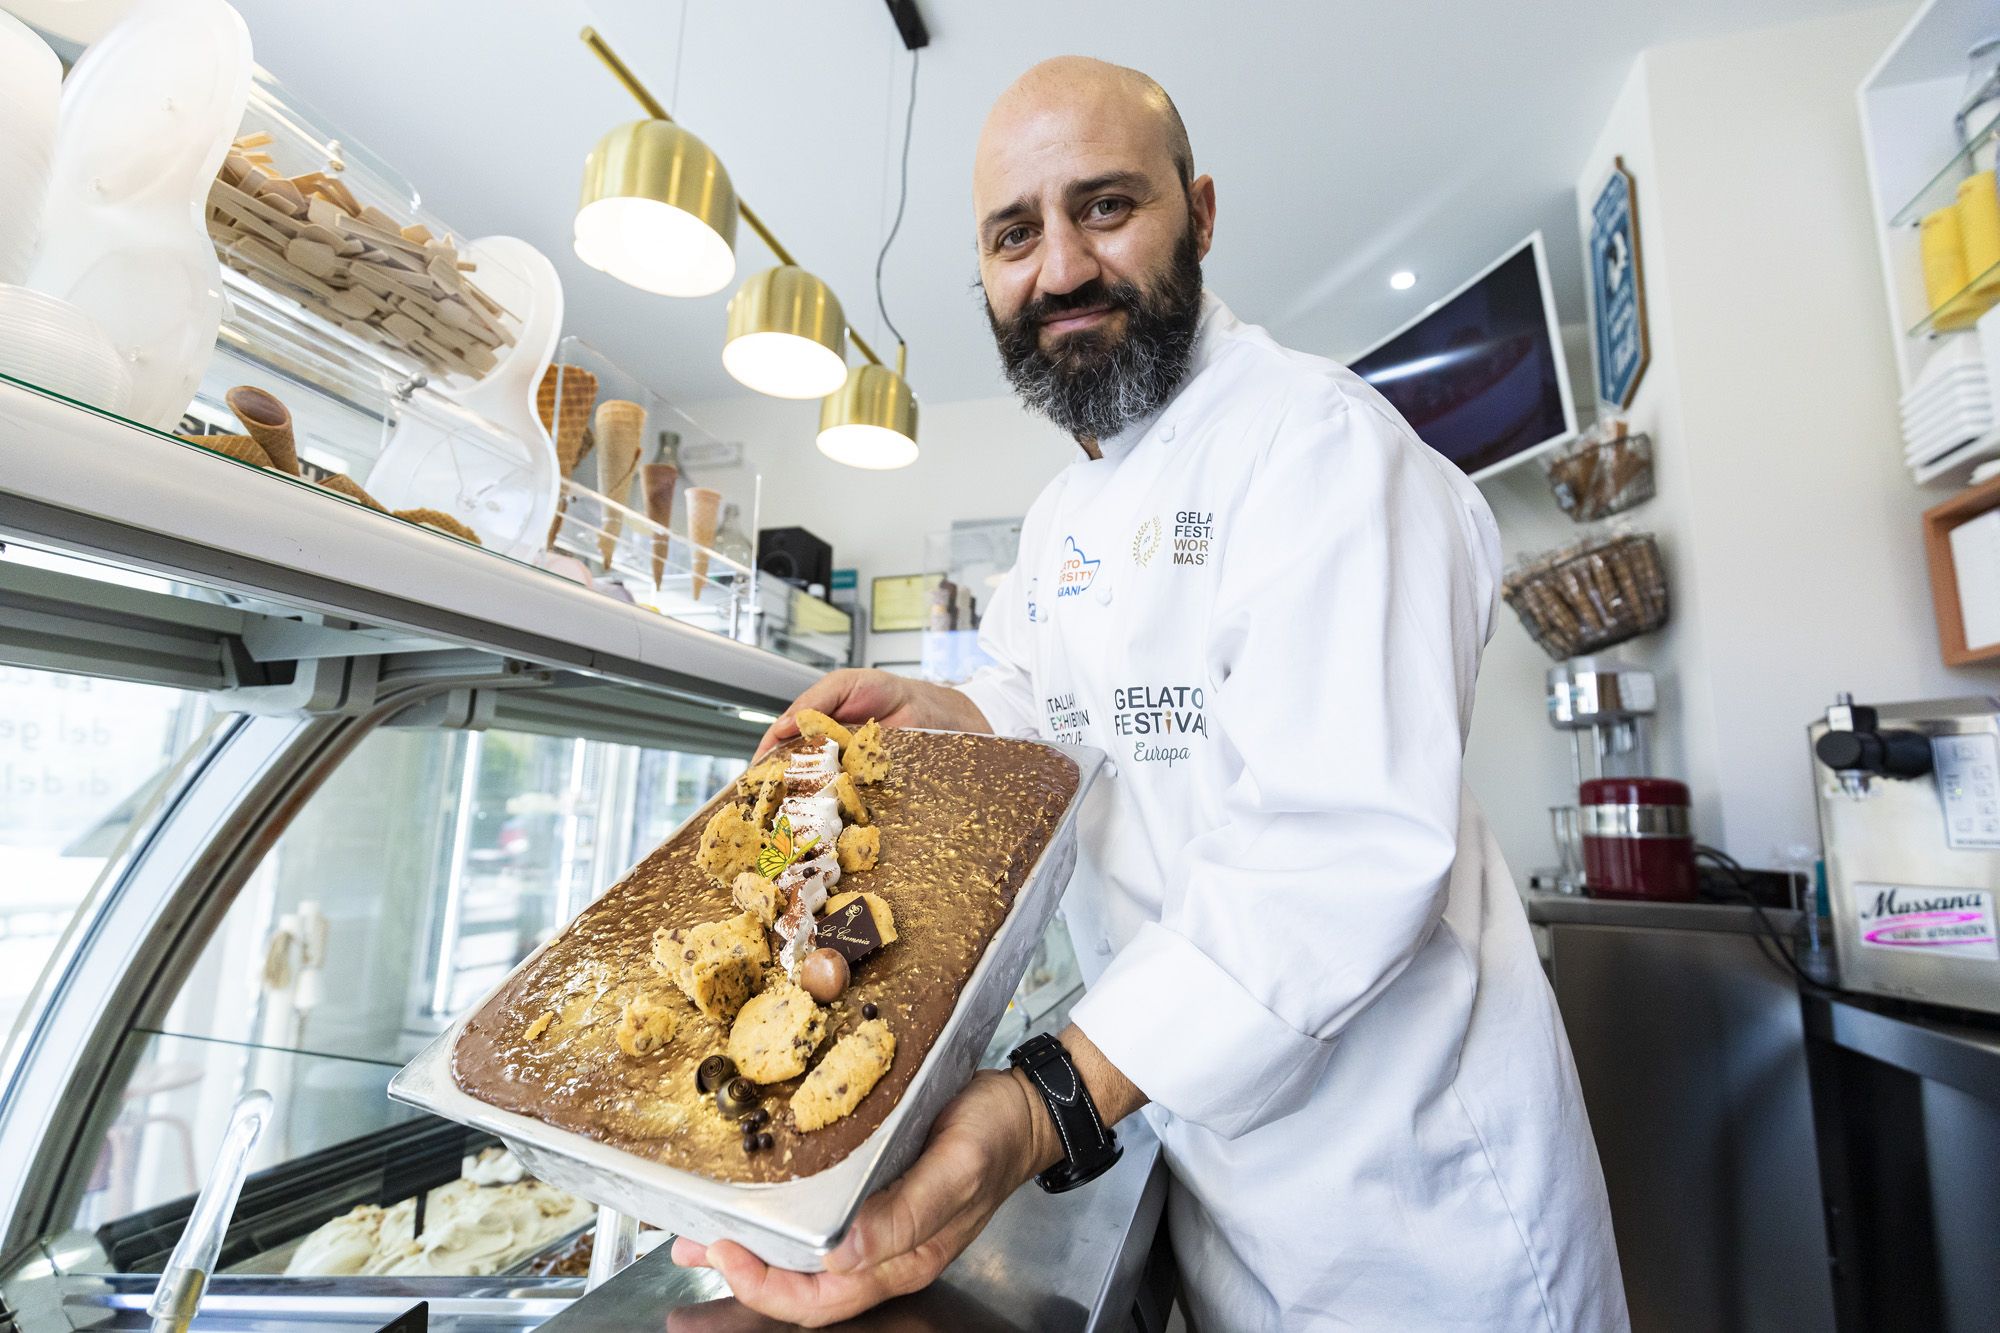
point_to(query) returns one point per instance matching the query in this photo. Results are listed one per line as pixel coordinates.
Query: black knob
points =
(1893, 754)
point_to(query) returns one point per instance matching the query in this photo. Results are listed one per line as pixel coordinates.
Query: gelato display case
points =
(297, 822)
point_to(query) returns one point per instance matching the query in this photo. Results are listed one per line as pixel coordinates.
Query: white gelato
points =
(470, 1230)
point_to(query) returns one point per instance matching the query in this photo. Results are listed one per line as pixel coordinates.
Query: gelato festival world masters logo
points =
(1077, 571)
(1146, 542)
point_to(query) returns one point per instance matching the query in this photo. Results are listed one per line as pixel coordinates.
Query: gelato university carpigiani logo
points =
(1146, 542)
(1076, 571)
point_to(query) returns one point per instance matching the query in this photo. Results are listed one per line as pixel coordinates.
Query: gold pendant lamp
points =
(658, 211)
(872, 422)
(787, 336)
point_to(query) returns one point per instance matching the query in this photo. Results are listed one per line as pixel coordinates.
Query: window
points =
(81, 760)
(425, 868)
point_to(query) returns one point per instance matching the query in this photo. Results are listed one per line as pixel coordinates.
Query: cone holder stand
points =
(723, 598)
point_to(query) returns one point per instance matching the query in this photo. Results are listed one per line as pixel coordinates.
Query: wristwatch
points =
(1089, 1149)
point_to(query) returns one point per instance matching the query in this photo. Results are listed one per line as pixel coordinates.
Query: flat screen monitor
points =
(1480, 375)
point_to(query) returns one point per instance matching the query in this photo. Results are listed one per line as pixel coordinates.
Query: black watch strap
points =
(1089, 1149)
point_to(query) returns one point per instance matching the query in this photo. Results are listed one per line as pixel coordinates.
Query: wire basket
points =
(1583, 599)
(1595, 479)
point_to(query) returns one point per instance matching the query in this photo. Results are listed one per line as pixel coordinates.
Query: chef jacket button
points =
(1110, 769)
(1104, 594)
(1103, 946)
(1167, 432)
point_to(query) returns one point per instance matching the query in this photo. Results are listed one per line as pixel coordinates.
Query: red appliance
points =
(1637, 839)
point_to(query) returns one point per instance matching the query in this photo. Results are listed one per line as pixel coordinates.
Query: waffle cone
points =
(267, 421)
(567, 419)
(621, 431)
(555, 526)
(704, 507)
(659, 480)
(342, 484)
(443, 522)
(236, 446)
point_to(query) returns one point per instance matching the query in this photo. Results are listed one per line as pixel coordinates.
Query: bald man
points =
(1265, 599)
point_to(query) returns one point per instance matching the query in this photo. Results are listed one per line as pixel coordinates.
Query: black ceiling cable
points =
(902, 199)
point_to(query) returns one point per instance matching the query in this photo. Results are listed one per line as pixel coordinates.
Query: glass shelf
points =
(1963, 309)
(1942, 188)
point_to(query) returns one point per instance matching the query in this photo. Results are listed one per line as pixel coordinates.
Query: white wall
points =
(981, 458)
(1789, 525)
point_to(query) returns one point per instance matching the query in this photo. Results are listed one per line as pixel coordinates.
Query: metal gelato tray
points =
(795, 1223)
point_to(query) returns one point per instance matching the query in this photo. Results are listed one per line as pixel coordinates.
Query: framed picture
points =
(901, 602)
(1621, 348)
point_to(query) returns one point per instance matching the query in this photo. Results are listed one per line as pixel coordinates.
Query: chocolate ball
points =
(824, 975)
(764, 1141)
(869, 1011)
(713, 1072)
(736, 1097)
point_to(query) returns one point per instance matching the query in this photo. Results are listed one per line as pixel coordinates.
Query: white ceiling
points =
(1348, 138)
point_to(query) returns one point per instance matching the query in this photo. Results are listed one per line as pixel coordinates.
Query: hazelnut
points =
(824, 975)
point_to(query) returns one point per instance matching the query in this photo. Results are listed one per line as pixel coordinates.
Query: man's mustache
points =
(1092, 295)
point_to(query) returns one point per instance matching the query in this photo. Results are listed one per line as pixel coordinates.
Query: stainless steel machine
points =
(1909, 817)
(1602, 705)
(1607, 703)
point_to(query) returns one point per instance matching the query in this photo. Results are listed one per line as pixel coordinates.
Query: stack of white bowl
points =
(30, 87)
(54, 345)
(1949, 406)
(46, 342)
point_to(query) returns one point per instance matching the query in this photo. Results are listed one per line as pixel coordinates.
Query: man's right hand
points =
(855, 696)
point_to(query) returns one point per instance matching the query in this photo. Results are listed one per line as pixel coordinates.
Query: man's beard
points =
(1094, 387)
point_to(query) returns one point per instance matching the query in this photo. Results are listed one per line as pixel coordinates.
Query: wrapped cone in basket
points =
(240, 447)
(269, 422)
(621, 431)
(659, 480)
(342, 484)
(567, 419)
(704, 507)
(443, 522)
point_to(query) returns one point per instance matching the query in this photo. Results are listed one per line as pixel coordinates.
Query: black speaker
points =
(796, 555)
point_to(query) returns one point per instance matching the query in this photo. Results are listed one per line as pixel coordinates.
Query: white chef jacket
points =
(1267, 604)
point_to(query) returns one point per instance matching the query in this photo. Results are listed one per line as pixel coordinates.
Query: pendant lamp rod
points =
(623, 73)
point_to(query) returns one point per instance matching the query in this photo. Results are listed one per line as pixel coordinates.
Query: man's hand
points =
(989, 1141)
(894, 701)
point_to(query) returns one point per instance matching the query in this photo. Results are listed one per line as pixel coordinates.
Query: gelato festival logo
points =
(1078, 570)
(1067, 718)
(1194, 536)
(1954, 922)
(1161, 721)
(1146, 542)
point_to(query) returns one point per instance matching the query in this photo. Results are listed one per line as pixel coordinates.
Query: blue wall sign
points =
(1618, 290)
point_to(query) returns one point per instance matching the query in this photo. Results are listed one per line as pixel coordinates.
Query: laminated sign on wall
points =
(1618, 290)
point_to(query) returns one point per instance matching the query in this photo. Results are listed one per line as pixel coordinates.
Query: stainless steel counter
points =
(1690, 1050)
(1046, 1264)
(1548, 909)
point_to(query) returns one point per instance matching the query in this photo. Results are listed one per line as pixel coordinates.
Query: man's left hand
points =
(987, 1143)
